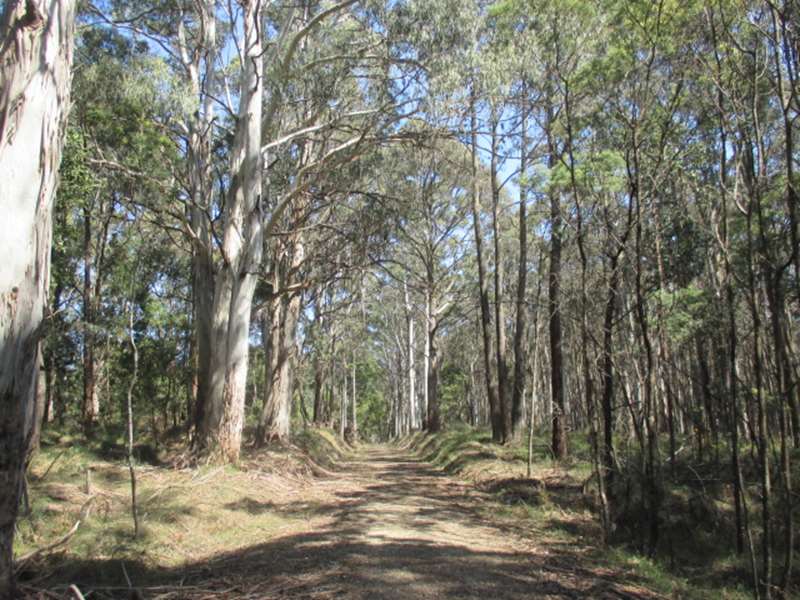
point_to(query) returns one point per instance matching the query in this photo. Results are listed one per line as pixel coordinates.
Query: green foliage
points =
(643, 119)
(372, 404)
(686, 311)
(453, 386)
(599, 173)
(78, 181)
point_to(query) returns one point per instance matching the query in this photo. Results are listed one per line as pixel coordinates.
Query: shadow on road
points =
(395, 528)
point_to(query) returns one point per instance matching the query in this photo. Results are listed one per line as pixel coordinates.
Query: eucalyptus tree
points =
(35, 59)
(208, 45)
(554, 150)
(483, 285)
(450, 37)
(719, 189)
(503, 76)
(392, 353)
(565, 39)
(182, 39)
(550, 47)
(542, 44)
(410, 357)
(596, 178)
(117, 158)
(241, 248)
(334, 121)
(430, 249)
(323, 244)
(752, 121)
(643, 99)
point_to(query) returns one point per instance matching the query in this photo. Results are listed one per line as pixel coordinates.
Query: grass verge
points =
(556, 506)
(187, 513)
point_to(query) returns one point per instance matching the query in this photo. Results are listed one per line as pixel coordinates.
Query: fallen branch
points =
(34, 592)
(59, 455)
(195, 481)
(20, 562)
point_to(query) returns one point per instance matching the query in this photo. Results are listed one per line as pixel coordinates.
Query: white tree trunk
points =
(426, 361)
(35, 57)
(412, 392)
(343, 408)
(200, 65)
(242, 249)
(354, 402)
(275, 420)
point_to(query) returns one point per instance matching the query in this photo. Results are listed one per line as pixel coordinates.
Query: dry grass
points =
(187, 514)
(315, 520)
(555, 506)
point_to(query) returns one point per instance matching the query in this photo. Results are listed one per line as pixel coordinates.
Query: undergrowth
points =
(188, 512)
(557, 503)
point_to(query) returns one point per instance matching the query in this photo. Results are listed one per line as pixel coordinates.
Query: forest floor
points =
(383, 524)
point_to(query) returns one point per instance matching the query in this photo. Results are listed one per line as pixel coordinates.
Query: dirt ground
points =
(385, 526)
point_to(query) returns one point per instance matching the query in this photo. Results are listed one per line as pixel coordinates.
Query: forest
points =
(511, 287)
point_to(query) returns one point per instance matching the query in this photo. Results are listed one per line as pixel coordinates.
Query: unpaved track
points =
(390, 527)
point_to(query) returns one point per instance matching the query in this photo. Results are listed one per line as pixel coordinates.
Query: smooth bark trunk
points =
(199, 63)
(501, 349)
(486, 315)
(242, 242)
(411, 375)
(36, 40)
(559, 431)
(521, 329)
(275, 420)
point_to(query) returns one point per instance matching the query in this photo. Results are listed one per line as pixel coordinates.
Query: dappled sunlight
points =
(388, 526)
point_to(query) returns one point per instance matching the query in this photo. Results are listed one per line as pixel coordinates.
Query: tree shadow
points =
(256, 507)
(404, 531)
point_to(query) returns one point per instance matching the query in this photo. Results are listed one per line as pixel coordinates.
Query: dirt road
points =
(391, 527)
(384, 526)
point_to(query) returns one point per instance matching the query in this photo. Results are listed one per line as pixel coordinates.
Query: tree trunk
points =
(223, 417)
(520, 332)
(316, 360)
(203, 291)
(129, 415)
(90, 401)
(486, 315)
(412, 393)
(199, 63)
(343, 407)
(40, 406)
(664, 358)
(319, 380)
(35, 58)
(426, 360)
(353, 403)
(559, 433)
(499, 306)
(93, 279)
(433, 416)
(275, 421)
(775, 302)
(534, 373)
(50, 395)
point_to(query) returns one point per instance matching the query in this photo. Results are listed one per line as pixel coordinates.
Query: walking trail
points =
(388, 526)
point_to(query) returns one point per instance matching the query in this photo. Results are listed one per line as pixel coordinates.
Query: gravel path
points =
(393, 527)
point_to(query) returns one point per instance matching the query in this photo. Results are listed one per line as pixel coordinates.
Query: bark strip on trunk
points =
(35, 57)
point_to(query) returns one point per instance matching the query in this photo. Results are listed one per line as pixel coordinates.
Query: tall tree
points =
(242, 248)
(35, 60)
